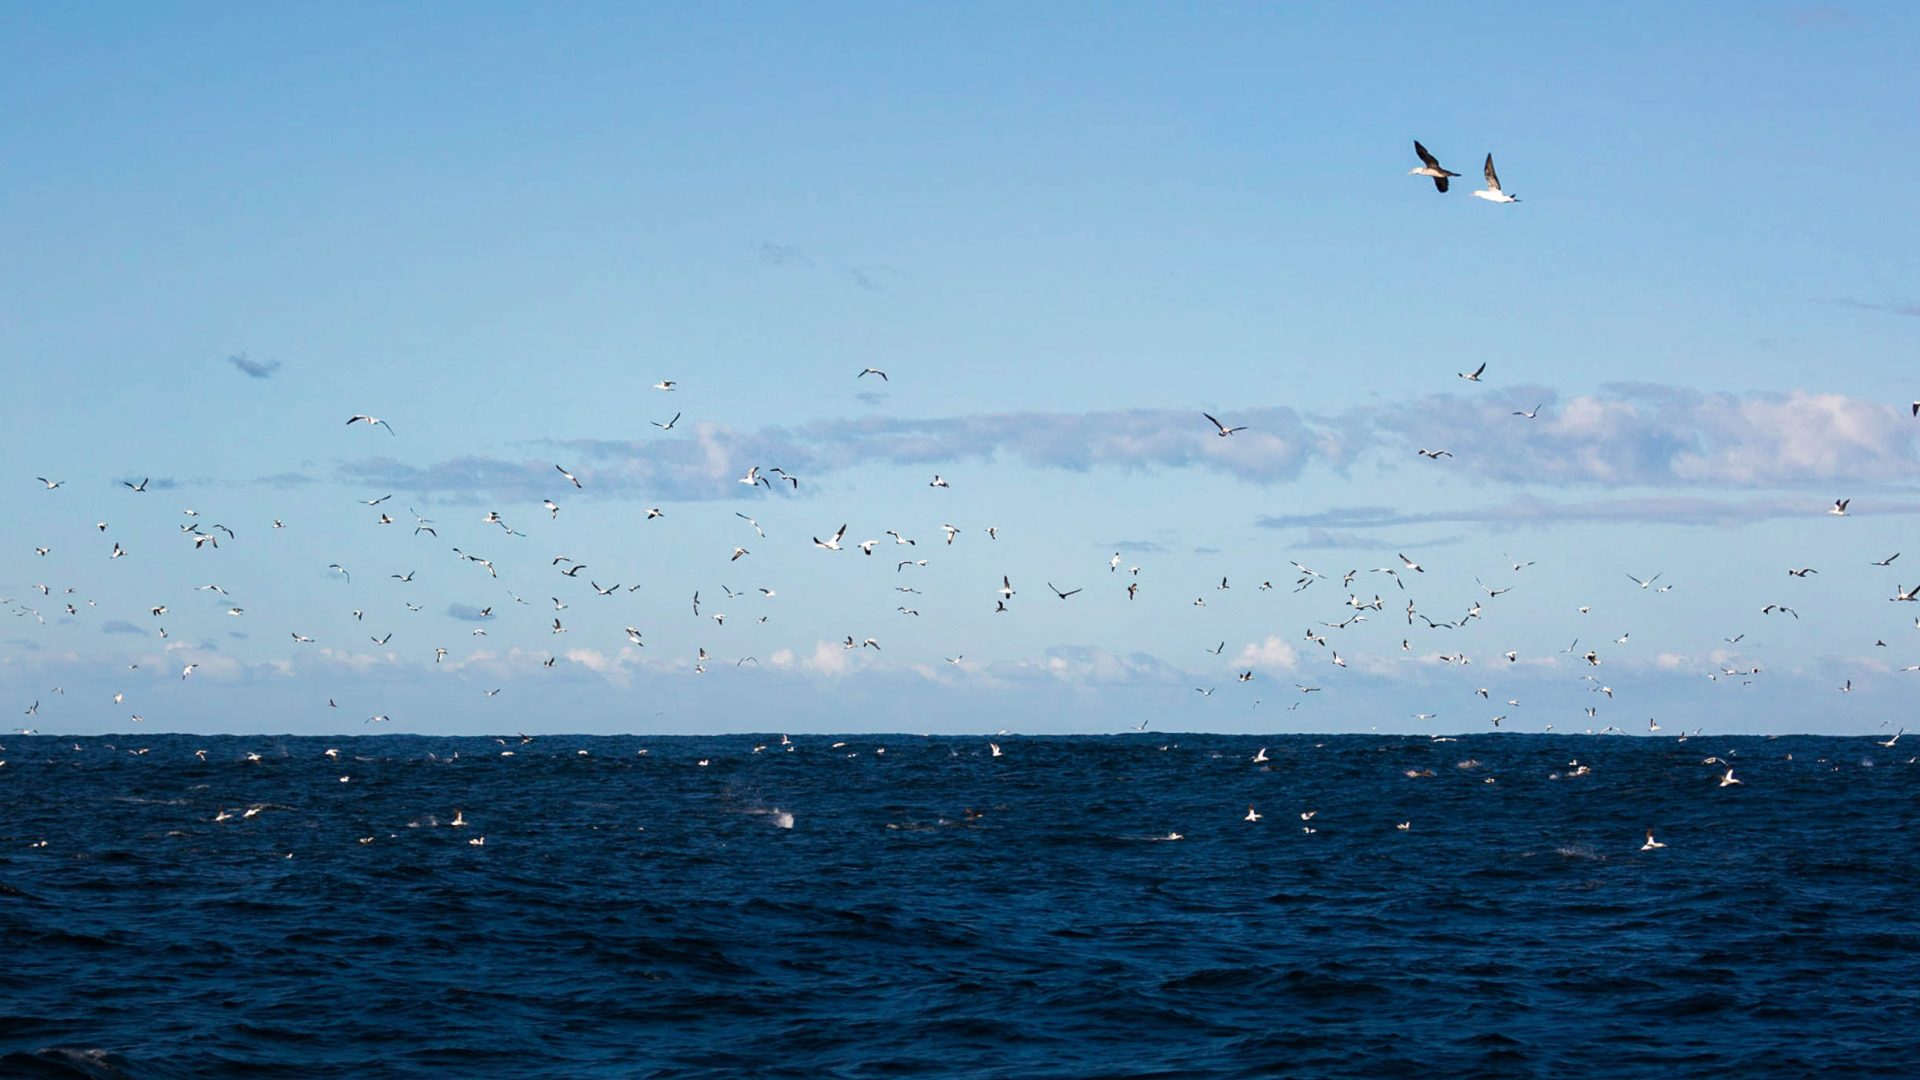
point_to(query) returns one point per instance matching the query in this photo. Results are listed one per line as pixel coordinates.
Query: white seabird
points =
(1224, 430)
(1492, 192)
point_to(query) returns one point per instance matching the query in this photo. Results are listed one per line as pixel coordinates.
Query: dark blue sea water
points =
(935, 911)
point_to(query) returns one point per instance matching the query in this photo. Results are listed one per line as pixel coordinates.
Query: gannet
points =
(1492, 192)
(1224, 430)
(1430, 166)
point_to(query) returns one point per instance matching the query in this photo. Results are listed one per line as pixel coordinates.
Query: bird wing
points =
(1430, 161)
(1493, 178)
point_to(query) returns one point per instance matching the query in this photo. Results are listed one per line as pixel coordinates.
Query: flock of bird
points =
(399, 596)
(226, 812)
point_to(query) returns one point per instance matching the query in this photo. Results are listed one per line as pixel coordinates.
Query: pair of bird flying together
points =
(1430, 166)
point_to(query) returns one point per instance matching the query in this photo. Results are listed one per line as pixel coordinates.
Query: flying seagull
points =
(1492, 192)
(864, 372)
(572, 479)
(1474, 375)
(1224, 429)
(370, 421)
(1430, 166)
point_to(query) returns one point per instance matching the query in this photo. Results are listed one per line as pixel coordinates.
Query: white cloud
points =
(1644, 435)
(1272, 654)
(829, 658)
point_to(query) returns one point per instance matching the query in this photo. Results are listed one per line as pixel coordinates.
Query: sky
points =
(1066, 236)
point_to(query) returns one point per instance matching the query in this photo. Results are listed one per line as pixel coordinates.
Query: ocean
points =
(897, 906)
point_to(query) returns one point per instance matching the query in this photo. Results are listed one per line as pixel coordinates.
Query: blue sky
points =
(1065, 235)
